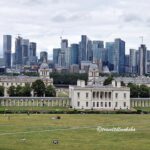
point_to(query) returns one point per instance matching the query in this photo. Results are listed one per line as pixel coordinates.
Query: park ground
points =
(73, 132)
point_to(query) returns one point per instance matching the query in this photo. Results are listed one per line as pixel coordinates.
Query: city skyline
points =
(70, 19)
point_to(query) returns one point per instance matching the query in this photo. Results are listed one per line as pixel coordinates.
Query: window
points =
(116, 104)
(78, 95)
(93, 104)
(116, 95)
(93, 94)
(87, 104)
(97, 94)
(97, 104)
(101, 104)
(124, 104)
(87, 95)
(109, 104)
(78, 104)
(109, 95)
(125, 95)
(105, 104)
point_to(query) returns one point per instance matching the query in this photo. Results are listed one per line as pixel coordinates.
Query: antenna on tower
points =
(61, 37)
(142, 39)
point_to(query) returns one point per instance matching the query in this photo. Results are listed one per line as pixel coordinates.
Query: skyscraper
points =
(32, 52)
(110, 55)
(7, 50)
(133, 61)
(43, 56)
(56, 52)
(85, 49)
(25, 51)
(142, 60)
(74, 54)
(119, 56)
(18, 51)
(97, 46)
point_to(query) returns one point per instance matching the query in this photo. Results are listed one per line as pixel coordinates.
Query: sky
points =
(45, 21)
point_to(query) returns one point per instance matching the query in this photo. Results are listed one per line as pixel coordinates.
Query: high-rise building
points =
(142, 60)
(110, 55)
(25, 51)
(127, 63)
(18, 51)
(43, 56)
(64, 55)
(133, 62)
(56, 52)
(7, 50)
(32, 52)
(85, 49)
(96, 48)
(74, 54)
(119, 56)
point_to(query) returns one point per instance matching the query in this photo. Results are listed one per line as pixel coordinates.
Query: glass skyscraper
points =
(7, 50)
(74, 54)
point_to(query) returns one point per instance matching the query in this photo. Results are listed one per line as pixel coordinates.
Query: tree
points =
(108, 80)
(26, 90)
(12, 91)
(1, 91)
(39, 88)
(50, 91)
(144, 91)
(134, 90)
(19, 91)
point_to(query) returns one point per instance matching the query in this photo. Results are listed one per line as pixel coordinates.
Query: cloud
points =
(43, 21)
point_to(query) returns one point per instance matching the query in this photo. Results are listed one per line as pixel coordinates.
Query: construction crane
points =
(142, 39)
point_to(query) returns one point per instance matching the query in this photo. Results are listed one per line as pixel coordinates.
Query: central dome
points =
(44, 66)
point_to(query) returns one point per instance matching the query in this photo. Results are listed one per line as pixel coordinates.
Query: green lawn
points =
(74, 132)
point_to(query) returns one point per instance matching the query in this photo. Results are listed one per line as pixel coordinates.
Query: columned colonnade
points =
(35, 101)
(140, 102)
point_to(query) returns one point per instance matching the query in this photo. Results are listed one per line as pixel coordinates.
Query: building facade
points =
(7, 81)
(113, 97)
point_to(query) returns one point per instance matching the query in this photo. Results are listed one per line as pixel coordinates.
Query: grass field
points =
(74, 132)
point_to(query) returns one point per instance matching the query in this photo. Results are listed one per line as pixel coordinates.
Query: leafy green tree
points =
(26, 90)
(12, 91)
(39, 88)
(108, 80)
(19, 91)
(144, 91)
(1, 91)
(50, 91)
(134, 90)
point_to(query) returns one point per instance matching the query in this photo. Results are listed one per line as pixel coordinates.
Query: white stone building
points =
(7, 81)
(97, 97)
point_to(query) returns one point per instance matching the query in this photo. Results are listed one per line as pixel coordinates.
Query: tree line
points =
(68, 78)
(141, 91)
(38, 87)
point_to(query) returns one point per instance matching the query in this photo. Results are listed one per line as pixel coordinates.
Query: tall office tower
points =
(74, 54)
(25, 51)
(119, 56)
(18, 51)
(133, 61)
(32, 53)
(64, 55)
(142, 60)
(56, 52)
(127, 63)
(43, 56)
(89, 51)
(97, 48)
(7, 50)
(13, 59)
(111, 55)
(148, 61)
(85, 49)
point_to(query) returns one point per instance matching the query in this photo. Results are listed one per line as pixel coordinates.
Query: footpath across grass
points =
(73, 132)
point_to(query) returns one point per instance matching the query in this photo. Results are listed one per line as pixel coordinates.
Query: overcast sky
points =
(44, 21)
